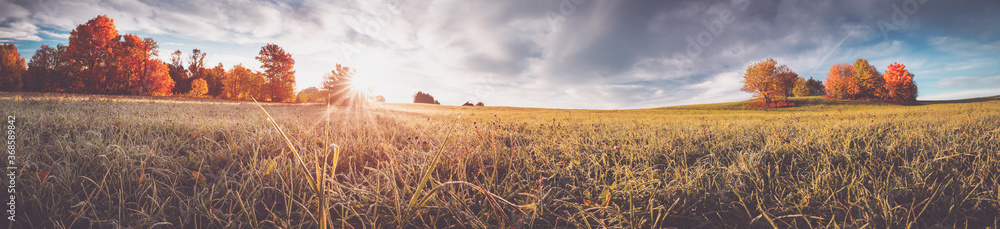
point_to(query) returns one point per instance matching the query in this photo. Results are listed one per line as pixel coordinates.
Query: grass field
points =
(201, 163)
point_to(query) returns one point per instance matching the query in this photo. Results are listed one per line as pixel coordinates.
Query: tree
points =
(41, 69)
(899, 84)
(215, 77)
(421, 97)
(158, 81)
(307, 95)
(242, 83)
(468, 104)
(815, 87)
(869, 81)
(178, 73)
(11, 68)
(130, 62)
(278, 74)
(379, 99)
(198, 87)
(801, 88)
(196, 70)
(337, 86)
(480, 104)
(767, 82)
(840, 82)
(91, 54)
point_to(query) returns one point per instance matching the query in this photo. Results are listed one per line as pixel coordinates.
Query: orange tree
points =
(840, 82)
(899, 84)
(11, 68)
(767, 81)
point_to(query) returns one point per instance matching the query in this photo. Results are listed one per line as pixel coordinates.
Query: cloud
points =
(961, 94)
(19, 30)
(550, 53)
(965, 82)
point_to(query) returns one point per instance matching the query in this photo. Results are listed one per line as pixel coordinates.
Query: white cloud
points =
(961, 94)
(966, 82)
(19, 30)
(606, 54)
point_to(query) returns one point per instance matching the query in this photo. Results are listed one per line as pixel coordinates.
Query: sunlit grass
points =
(130, 161)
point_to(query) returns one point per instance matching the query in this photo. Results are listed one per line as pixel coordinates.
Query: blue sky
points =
(555, 53)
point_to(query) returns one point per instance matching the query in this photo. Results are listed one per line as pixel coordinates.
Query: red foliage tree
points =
(899, 84)
(12, 68)
(131, 63)
(91, 55)
(278, 74)
(158, 81)
(768, 82)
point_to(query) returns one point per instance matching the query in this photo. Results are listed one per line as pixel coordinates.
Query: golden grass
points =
(131, 161)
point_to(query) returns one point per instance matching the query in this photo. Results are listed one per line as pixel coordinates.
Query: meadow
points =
(105, 161)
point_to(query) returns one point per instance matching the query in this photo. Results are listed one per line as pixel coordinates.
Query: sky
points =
(593, 54)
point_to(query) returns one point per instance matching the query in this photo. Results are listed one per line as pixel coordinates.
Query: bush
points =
(422, 97)
(198, 87)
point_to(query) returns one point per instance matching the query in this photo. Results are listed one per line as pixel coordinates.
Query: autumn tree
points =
(421, 97)
(130, 62)
(91, 54)
(801, 88)
(179, 73)
(768, 82)
(158, 81)
(11, 68)
(215, 77)
(869, 81)
(815, 87)
(242, 83)
(310, 94)
(196, 68)
(41, 68)
(840, 82)
(337, 86)
(480, 104)
(379, 99)
(279, 77)
(899, 86)
(47, 70)
(198, 87)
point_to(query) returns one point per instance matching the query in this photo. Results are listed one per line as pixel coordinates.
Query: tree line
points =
(772, 84)
(98, 60)
(861, 81)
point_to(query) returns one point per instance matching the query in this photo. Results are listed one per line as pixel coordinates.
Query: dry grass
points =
(202, 163)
